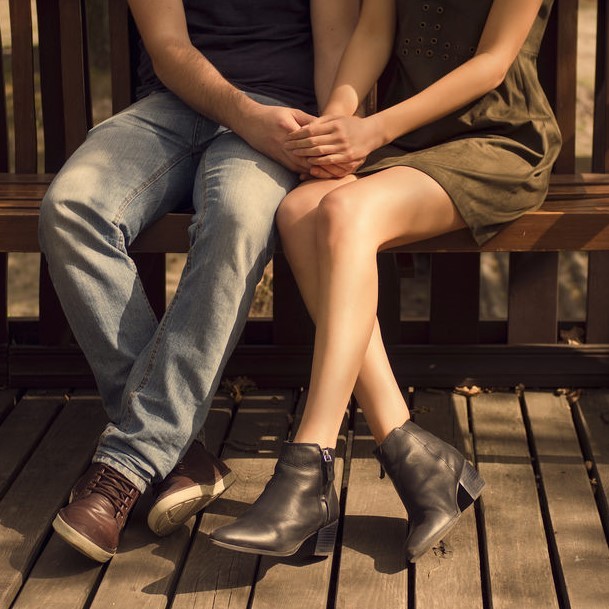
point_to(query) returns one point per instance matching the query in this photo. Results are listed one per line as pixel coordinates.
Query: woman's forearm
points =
(365, 57)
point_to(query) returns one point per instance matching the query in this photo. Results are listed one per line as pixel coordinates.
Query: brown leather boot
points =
(93, 521)
(197, 480)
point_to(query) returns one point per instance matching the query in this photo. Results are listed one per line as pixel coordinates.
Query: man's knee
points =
(70, 212)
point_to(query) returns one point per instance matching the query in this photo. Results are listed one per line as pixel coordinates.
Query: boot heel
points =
(471, 484)
(326, 538)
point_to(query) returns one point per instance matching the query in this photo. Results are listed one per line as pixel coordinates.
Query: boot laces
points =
(115, 488)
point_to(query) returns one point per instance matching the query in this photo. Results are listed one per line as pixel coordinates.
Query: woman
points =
(464, 137)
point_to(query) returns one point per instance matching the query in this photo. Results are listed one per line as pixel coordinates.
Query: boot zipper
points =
(328, 468)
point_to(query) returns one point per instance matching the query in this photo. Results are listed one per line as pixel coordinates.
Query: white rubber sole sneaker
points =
(172, 511)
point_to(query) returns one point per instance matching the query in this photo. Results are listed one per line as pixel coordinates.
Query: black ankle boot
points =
(298, 502)
(434, 482)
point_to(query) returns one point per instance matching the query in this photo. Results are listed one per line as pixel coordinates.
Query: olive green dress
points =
(492, 157)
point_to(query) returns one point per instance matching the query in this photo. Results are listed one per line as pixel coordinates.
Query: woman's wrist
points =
(378, 129)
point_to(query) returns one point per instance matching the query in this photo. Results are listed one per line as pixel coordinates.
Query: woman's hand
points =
(335, 140)
(331, 172)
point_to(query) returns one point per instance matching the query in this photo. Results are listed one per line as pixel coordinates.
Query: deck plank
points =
(454, 565)
(22, 430)
(213, 577)
(145, 568)
(593, 408)
(513, 523)
(582, 548)
(43, 486)
(299, 582)
(373, 571)
(8, 398)
(184, 570)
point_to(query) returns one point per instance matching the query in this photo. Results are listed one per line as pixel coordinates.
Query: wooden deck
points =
(537, 539)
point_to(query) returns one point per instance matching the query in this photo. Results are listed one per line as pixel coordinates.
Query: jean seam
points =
(146, 184)
(164, 321)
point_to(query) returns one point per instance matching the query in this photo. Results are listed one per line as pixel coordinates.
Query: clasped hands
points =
(333, 146)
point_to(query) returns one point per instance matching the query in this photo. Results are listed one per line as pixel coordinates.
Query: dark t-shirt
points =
(260, 46)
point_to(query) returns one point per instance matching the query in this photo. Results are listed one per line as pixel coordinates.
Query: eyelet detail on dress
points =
(420, 39)
(445, 56)
(426, 7)
(440, 10)
(437, 27)
(434, 41)
(429, 53)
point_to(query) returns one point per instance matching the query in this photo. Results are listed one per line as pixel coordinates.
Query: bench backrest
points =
(65, 92)
(48, 83)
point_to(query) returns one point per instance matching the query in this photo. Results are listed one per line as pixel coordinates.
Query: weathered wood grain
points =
(144, 571)
(593, 407)
(8, 398)
(22, 430)
(42, 487)
(579, 536)
(519, 564)
(213, 577)
(452, 568)
(299, 582)
(373, 571)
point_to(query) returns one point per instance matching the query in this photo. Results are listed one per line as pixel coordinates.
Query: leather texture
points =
(297, 503)
(426, 473)
(198, 467)
(102, 500)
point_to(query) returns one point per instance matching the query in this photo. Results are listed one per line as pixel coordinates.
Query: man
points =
(222, 84)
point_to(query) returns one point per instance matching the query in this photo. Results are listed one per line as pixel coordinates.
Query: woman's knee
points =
(340, 220)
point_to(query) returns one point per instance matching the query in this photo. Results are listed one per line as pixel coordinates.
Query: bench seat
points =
(575, 217)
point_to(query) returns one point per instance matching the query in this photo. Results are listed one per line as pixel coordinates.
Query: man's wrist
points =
(239, 112)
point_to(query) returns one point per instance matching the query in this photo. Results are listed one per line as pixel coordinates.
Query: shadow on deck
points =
(536, 539)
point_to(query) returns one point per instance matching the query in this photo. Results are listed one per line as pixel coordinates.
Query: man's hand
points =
(266, 128)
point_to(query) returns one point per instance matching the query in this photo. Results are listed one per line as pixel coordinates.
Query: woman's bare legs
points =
(353, 222)
(376, 389)
(340, 238)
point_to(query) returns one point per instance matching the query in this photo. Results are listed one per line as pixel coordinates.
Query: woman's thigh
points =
(393, 207)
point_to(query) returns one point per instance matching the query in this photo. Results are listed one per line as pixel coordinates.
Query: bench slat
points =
(533, 298)
(597, 326)
(51, 85)
(75, 78)
(600, 135)
(24, 111)
(3, 124)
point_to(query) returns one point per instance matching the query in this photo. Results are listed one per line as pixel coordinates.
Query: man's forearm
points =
(188, 74)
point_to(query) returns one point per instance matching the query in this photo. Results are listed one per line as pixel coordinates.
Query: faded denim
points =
(157, 380)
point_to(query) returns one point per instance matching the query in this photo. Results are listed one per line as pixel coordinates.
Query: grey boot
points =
(299, 502)
(434, 481)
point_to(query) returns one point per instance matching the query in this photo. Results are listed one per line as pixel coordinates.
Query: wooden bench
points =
(453, 347)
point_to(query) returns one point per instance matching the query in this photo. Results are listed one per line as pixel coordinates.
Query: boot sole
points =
(174, 510)
(469, 488)
(324, 544)
(79, 542)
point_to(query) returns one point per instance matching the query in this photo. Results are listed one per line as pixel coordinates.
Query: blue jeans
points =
(157, 380)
